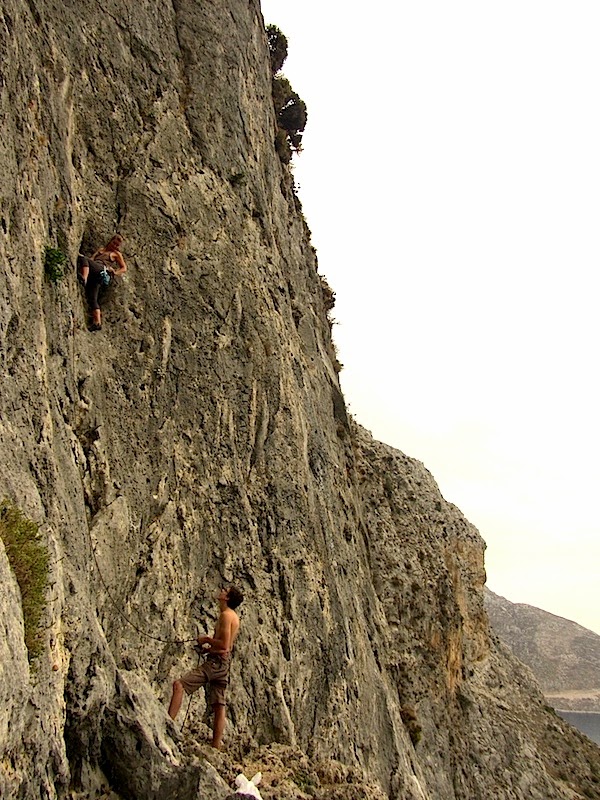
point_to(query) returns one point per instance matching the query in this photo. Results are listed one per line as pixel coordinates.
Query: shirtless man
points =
(214, 673)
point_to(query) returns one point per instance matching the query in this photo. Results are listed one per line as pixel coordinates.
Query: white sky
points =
(451, 180)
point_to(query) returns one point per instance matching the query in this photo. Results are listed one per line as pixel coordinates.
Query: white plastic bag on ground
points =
(248, 787)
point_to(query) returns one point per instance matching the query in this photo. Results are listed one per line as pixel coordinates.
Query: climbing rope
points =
(187, 711)
(186, 715)
(123, 615)
(119, 610)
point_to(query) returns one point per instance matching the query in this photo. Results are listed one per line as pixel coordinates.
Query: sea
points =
(587, 722)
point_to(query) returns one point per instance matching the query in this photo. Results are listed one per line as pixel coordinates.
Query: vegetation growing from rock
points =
(278, 47)
(28, 558)
(54, 261)
(328, 295)
(290, 109)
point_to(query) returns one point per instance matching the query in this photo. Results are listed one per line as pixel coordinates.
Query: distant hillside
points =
(564, 656)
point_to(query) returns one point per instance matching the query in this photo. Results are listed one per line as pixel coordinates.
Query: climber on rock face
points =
(97, 271)
(214, 672)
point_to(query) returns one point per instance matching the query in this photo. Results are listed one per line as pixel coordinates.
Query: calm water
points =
(588, 723)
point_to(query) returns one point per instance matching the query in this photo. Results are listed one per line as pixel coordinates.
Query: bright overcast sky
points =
(451, 180)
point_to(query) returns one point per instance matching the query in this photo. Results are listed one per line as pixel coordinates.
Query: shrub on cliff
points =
(278, 48)
(290, 109)
(54, 261)
(28, 558)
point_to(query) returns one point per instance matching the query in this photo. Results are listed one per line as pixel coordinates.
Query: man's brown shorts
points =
(214, 673)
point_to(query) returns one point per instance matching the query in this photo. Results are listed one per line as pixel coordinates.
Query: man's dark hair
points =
(234, 597)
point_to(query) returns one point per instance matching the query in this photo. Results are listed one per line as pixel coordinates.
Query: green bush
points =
(282, 91)
(291, 114)
(54, 261)
(292, 118)
(290, 109)
(278, 48)
(282, 147)
(28, 558)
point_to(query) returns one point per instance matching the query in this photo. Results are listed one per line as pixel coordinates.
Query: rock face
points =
(563, 656)
(201, 438)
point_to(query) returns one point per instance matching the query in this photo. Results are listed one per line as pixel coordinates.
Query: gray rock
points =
(201, 438)
(14, 674)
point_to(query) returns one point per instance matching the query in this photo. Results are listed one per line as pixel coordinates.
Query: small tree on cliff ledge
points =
(278, 48)
(290, 109)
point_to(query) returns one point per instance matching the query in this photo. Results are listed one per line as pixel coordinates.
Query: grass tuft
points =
(54, 261)
(28, 558)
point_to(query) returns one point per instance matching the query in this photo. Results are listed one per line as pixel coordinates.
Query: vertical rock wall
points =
(201, 438)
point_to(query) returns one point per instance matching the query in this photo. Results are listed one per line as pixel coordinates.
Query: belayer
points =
(97, 272)
(214, 672)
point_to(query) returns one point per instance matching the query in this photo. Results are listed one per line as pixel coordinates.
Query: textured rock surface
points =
(564, 656)
(202, 438)
(14, 674)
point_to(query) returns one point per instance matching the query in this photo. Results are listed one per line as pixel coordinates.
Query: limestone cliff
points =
(201, 437)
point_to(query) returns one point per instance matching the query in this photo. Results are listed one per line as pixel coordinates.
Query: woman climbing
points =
(97, 271)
